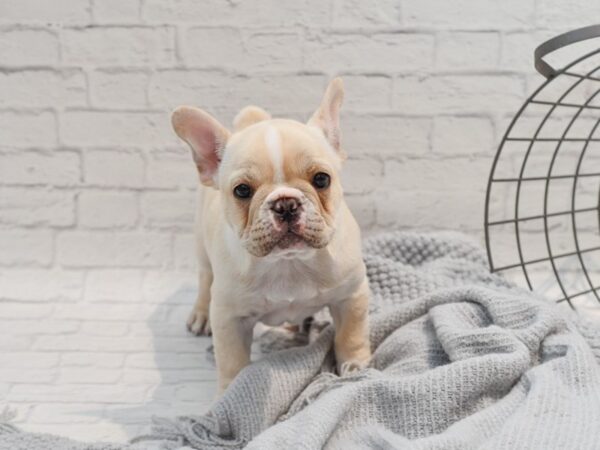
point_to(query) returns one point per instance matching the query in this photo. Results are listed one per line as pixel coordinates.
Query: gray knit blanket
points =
(461, 360)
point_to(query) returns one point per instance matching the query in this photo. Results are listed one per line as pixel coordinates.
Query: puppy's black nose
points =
(286, 209)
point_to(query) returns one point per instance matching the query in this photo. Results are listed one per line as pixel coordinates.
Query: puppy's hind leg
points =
(198, 321)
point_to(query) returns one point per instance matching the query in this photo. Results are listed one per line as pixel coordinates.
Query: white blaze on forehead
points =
(273, 141)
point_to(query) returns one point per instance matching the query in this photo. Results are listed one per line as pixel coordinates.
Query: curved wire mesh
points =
(542, 211)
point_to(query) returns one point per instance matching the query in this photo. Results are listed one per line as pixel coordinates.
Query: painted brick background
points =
(97, 194)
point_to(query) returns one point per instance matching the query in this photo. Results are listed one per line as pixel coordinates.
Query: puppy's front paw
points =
(350, 367)
(198, 323)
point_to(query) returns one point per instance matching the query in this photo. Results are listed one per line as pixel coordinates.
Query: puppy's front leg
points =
(352, 347)
(232, 338)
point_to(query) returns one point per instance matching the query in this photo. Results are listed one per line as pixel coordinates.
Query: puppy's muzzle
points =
(286, 209)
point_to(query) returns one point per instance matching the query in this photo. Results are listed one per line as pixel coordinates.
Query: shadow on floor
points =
(178, 369)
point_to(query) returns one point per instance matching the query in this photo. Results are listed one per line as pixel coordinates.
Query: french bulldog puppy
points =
(276, 240)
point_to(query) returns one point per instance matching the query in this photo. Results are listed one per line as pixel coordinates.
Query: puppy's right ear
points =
(249, 116)
(205, 136)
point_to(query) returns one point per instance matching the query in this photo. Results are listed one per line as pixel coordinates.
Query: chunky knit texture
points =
(462, 360)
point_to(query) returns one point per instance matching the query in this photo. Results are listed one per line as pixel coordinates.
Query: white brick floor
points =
(99, 369)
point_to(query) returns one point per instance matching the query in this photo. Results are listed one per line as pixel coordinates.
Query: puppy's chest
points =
(287, 292)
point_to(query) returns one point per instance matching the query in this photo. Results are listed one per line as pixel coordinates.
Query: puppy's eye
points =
(242, 191)
(321, 180)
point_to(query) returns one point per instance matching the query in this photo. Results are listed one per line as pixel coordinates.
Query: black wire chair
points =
(542, 210)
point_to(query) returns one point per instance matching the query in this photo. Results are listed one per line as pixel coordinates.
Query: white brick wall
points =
(96, 193)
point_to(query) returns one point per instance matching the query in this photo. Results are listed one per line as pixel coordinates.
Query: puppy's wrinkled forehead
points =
(278, 150)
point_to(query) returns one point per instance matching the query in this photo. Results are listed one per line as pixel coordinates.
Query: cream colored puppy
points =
(276, 241)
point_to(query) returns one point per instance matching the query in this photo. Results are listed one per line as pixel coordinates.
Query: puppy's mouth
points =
(291, 240)
(281, 237)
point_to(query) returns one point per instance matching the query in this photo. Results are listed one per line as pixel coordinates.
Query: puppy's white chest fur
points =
(285, 281)
(287, 290)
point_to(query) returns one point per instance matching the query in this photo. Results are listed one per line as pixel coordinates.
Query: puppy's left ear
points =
(327, 116)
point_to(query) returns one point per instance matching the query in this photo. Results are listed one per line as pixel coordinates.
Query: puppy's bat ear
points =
(249, 116)
(205, 136)
(327, 116)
